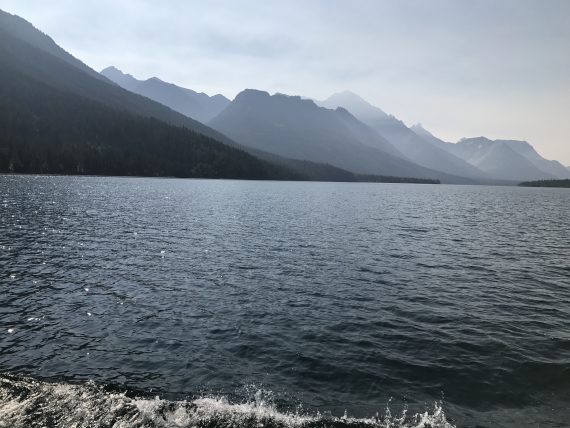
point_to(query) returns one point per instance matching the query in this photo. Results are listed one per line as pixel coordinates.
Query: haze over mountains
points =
(409, 143)
(196, 105)
(56, 116)
(297, 128)
(294, 127)
(60, 116)
(470, 157)
(506, 159)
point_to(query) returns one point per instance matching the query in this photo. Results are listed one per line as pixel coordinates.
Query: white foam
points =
(90, 405)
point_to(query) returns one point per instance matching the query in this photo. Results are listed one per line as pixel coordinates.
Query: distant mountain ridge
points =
(410, 144)
(509, 160)
(428, 136)
(58, 118)
(198, 106)
(510, 165)
(294, 127)
(359, 107)
(497, 159)
(344, 136)
(552, 167)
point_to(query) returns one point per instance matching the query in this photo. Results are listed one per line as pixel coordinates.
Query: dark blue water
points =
(283, 304)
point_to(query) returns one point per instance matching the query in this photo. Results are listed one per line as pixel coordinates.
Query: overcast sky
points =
(498, 68)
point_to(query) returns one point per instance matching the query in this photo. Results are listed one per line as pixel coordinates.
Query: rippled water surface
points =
(300, 300)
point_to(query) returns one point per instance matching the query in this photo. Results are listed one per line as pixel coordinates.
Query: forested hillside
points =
(43, 130)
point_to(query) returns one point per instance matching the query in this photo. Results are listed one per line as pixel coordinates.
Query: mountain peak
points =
(251, 94)
(347, 95)
(475, 140)
(113, 73)
(295, 127)
(424, 133)
(514, 157)
(111, 69)
(355, 104)
(343, 111)
(118, 77)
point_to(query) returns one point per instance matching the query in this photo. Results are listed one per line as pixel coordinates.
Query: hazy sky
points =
(499, 68)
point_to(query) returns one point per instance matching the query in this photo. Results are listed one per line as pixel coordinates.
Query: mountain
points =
(429, 137)
(44, 130)
(360, 108)
(24, 31)
(196, 105)
(293, 127)
(38, 61)
(406, 141)
(548, 167)
(551, 167)
(498, 159)
(56, 117)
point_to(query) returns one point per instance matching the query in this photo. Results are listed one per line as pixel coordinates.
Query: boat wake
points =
(26, 402)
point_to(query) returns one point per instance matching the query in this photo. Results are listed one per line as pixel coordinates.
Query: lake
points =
(200, 302)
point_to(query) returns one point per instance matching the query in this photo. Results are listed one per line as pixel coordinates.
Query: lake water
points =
(161, 302)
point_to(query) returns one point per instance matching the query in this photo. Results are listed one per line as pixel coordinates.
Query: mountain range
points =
(196, 105)
(410, 144)
(297, 128)
(343, 135)
(60, 116)
(506, 159)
